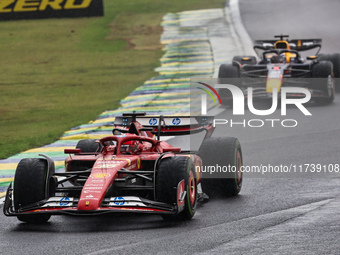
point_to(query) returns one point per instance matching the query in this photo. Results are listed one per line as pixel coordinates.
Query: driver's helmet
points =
(279, 58)
(130, 146)
(275, 59)
(283, 58)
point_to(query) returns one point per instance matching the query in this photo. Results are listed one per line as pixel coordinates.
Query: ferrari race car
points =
(281, 65)
(130, 171)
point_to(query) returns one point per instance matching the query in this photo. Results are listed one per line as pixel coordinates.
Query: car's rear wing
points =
(295, 44)
(166, 125)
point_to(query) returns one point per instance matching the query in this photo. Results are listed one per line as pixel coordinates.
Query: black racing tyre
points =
(89, 146)
(322, 74)
(228, 71)
(222, 152)
(85, 146)
(335, 59)
(30, 187)
(228, 74)
(244, 60)
(170, 172)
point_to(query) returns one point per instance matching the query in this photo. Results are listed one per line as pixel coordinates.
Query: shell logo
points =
(100, 175)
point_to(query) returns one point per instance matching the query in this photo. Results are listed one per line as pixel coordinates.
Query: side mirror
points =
(312, 57)
(172, 149)
(72, 151)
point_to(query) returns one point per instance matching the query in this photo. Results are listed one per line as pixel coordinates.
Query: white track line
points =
(244, 37)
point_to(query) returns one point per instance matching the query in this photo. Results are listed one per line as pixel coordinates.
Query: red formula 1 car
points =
(130, 171)
(281, 65)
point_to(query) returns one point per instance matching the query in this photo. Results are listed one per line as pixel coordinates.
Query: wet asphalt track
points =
(287, 215)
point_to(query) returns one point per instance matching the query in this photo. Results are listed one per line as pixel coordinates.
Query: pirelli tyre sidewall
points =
(226, 153)
(30, 187)
(170, 172)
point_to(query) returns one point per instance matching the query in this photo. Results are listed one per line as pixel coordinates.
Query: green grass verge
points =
(60, 73)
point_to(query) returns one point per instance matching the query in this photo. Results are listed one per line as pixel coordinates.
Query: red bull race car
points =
(281, 65)
(131, 171)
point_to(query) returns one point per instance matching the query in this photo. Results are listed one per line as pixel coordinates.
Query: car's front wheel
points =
(30, 187)
(170, 172)
(323, 80)
(335, 59)
(228, 74)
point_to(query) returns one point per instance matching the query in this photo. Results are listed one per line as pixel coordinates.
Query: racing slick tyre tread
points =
(228, 74)
(29, 187)
(89, 146)
(324, 70)
(222, 151)
(170, 172)
(251, 60)
(335, 59)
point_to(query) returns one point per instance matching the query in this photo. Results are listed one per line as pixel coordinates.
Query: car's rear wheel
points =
(223, 156)
(30, 187)
(170, 172)
(323, 80)
(89, 146)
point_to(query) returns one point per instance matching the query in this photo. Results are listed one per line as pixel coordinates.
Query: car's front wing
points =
(68, 205)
